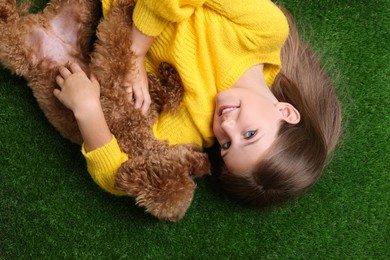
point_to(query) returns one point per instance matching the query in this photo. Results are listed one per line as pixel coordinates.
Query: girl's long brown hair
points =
(296, 159)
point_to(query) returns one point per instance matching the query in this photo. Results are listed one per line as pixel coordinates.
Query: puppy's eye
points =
(226, 145)
(250, 134)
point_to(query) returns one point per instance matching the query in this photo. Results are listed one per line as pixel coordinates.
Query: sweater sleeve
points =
(151, 16)
(103, 163)
(246, 13)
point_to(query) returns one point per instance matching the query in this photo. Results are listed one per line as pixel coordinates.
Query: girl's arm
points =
(151, 16)
(136, 81)
(101, 150)
(149, 19)
(82, 95)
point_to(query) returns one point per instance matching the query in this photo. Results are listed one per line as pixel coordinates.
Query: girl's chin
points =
(227, 99)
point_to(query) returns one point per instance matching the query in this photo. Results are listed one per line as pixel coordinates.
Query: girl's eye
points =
(226, 145)
(250, 134)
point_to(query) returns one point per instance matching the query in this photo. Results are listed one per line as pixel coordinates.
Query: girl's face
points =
(246, 122)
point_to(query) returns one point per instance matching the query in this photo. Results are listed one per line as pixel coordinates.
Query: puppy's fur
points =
(159, 176)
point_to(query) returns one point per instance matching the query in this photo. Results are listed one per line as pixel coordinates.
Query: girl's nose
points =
(228, 124)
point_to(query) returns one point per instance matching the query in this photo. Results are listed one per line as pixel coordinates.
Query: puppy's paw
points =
(168, 201)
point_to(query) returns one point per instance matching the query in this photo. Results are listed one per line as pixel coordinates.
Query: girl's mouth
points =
(226, 109)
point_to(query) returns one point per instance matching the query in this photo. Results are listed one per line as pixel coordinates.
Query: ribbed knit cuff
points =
(147, 21)
(103, 164)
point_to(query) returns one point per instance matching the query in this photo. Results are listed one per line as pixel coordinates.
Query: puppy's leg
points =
(159, 183)
(34, 45)
(60, 33)
(112, 58)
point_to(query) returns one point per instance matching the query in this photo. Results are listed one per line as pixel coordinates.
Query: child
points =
(275, 127)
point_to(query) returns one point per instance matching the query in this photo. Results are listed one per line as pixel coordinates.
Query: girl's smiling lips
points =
(226, 109)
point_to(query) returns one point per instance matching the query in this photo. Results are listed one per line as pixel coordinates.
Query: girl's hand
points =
(82, 95)
(136, 84)
(136, 81)
(77, 92)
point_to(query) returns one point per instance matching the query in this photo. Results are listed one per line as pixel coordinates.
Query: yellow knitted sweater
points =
(211, 44)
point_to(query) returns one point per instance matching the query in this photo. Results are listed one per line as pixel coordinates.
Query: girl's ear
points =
(289, 113)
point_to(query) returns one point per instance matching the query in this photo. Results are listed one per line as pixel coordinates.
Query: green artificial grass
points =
(50, 207)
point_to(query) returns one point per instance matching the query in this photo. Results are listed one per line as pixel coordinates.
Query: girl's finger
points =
(56, 92)
(130, 94)
(146, 102)
(139, 99)
(93, 78)
(59, 80)
(75, 67)
(64, 72)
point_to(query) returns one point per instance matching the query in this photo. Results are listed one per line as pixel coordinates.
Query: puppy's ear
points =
(170, 190)
(131, 177)
(161, 185)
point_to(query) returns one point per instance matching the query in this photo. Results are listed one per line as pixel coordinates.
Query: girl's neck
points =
(253, 78)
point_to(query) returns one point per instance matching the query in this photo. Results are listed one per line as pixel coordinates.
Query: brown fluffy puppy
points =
(159, 176)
